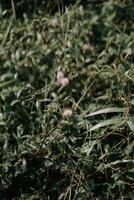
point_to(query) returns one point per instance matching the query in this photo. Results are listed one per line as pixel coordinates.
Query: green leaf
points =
(131, 125)
(115, 121)
(107, 110)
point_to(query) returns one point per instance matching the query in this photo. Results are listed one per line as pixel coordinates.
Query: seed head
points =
(55, 22)
(87, 48)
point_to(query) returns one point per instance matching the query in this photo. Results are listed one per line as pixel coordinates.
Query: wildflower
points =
(67, 112)
(60, 76)
(64, 81)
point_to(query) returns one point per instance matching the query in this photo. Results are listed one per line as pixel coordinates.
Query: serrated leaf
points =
(115, 121)
(107, 110)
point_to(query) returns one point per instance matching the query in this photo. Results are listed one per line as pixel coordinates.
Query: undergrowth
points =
(47, 153)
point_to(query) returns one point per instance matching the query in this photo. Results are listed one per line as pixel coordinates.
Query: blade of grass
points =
(131, 125)
(119, 162)
(108, 122)
(107, 110)
(13, 8)
(7, 32)
(7, 83)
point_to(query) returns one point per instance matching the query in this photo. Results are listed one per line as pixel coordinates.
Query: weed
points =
(73, 142)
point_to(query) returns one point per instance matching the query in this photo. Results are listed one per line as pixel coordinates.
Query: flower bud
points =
(64, 81)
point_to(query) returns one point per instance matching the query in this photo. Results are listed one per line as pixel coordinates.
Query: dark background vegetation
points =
(44, 155)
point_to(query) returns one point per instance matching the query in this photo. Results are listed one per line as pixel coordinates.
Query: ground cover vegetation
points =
(67, 100)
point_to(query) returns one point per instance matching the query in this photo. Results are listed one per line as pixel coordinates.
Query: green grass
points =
(89, 154)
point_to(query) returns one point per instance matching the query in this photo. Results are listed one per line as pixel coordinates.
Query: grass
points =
(45, 153)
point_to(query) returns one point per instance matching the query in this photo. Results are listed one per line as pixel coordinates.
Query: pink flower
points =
(60, 76)
(64, 82)
(67, 112)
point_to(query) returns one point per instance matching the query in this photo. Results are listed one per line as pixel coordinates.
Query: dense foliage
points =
(88, 152)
